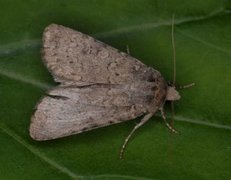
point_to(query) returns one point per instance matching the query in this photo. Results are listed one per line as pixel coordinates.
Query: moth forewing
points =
(71, 110)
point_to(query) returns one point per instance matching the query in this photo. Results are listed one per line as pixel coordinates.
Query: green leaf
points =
(203, 47)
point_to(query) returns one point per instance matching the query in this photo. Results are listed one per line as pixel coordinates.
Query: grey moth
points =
(98, 86)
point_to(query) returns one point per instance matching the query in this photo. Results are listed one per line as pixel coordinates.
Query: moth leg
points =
(166, 123)
(186, 86)
(143, 121)
(128, 50)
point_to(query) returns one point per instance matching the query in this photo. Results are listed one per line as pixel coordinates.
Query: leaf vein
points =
(24, 79)
(36, 152)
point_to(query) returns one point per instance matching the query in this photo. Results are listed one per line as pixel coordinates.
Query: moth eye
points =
(169, 83)
(117, 74)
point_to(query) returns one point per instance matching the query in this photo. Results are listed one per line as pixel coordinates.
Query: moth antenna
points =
(186, 86)
(174, 51)
(174, 61)
(142, 122)
(174, 67)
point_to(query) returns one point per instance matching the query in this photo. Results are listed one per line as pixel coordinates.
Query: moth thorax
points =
(172, 94)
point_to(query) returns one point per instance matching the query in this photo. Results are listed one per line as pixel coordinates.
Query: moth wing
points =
(66, 111)
(72, 56)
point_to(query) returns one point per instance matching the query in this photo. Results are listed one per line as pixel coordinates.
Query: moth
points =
(98, 86)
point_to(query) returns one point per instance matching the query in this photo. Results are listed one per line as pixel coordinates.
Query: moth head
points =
(172, 94)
